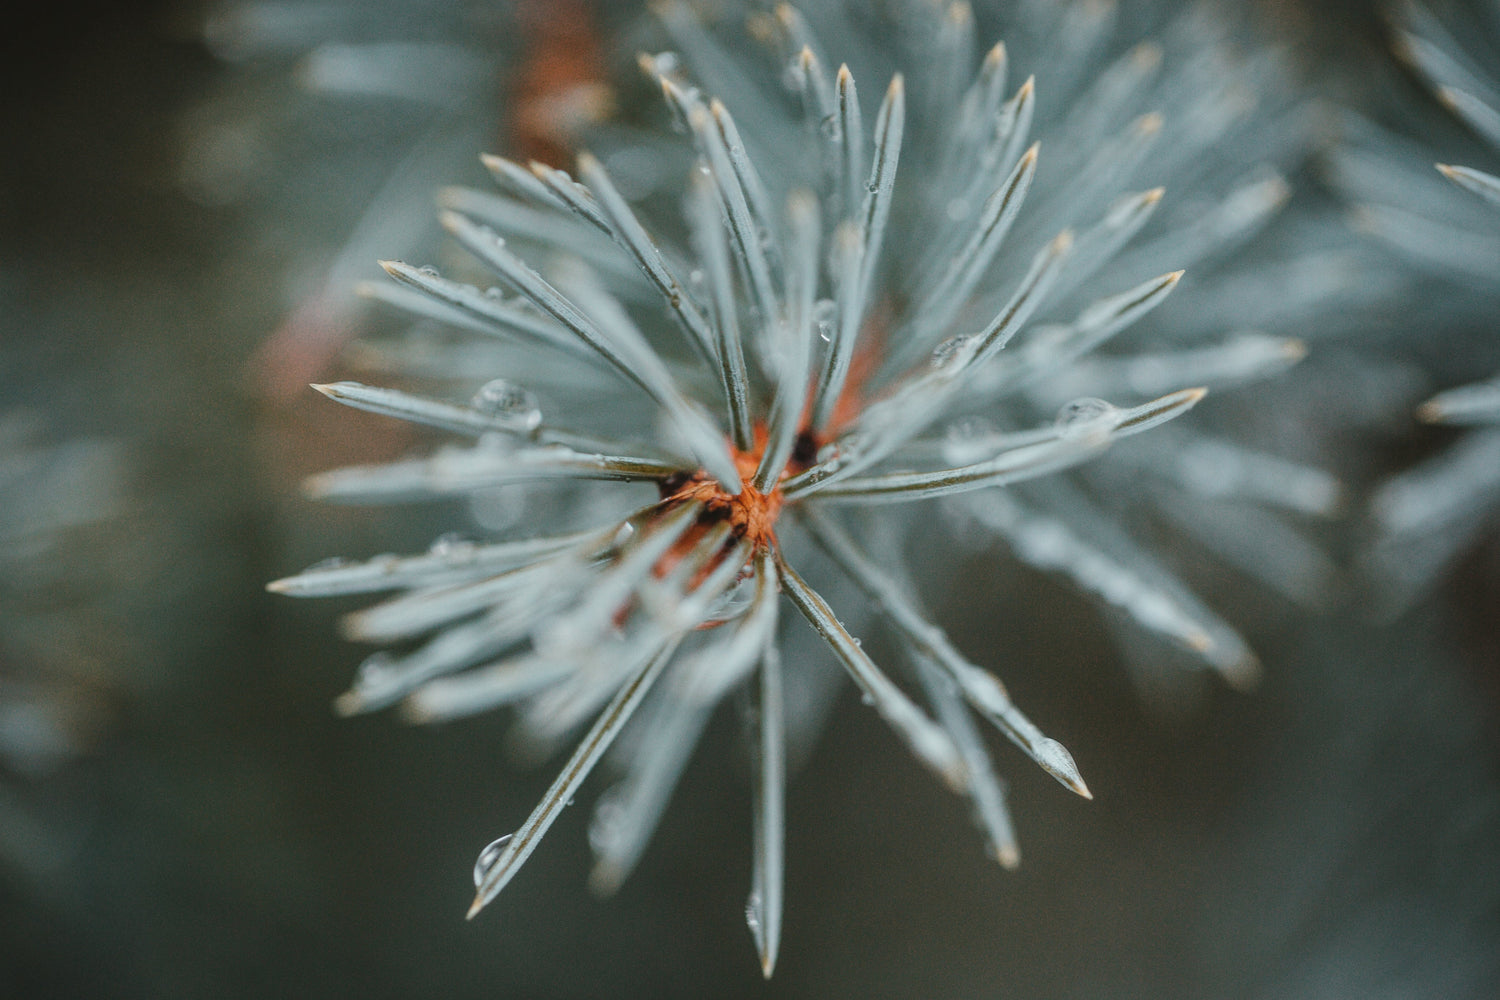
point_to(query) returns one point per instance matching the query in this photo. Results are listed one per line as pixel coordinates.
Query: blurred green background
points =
(1334, 834)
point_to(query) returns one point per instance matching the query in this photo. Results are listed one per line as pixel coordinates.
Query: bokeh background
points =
(219, 832)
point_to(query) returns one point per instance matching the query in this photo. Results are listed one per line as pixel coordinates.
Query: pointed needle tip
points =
(413, 712)
(475, 907)
(1430, 412)
(316, 487)
(1244, 675)
(1147, 55)
(605, 880)
(347, 704)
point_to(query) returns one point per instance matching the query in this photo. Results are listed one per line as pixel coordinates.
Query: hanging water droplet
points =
(375, 669)
(949, 351)
(753, 907)
(488, 857)
(501, 398)
(867, 698)
(1082, 415)
(825, 318)
(428, 270)
(604, 828)
(451, 545)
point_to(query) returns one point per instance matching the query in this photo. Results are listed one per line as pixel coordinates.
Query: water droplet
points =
(604, 829)
(623, 535)
(501, 398)
(488, 857)
(376, 668)
(451, 545)
(494, 292)
(753, 907)
(428, 270)
(828, 453)
(825, 318)
(867, 698)
(1081, 415)
(950, 351)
